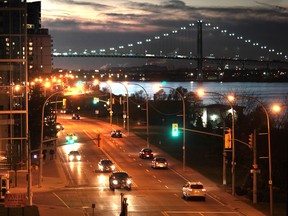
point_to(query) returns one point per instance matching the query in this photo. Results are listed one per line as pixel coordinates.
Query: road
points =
(154, 191)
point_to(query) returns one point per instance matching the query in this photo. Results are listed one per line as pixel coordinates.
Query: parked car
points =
(159, 162)
(116, 133)
(194, 189)
(106, 165)
(120, 179)
(146, 153)
(76, 116)
(74, 156)
(71, 138)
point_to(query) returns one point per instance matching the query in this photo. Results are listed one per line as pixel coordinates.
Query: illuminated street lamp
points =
(110, 102)
(269, 147)
(41, 139)
(229, 99)
(184, 124)
(127, 99)
(147, 113)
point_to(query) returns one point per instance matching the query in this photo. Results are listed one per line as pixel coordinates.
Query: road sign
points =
(15, 200)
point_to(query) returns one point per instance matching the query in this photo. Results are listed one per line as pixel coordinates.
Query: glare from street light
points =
(276, 108)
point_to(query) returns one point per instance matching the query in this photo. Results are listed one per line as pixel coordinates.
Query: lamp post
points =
(147, 113)
(110, 103)
(184, 125)
(202, 92)
(41, 139)
(127, 98)
(269, 149)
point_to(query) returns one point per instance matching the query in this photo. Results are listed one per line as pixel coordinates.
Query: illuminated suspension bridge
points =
(201, 42)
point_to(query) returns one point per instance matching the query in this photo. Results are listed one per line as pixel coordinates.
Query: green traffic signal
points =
(175, 131)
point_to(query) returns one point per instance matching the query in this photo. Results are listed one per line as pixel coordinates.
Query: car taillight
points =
(203, 190)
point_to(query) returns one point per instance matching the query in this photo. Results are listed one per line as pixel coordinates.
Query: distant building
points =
(39, 43)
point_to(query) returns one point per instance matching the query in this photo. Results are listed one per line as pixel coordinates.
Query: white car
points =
(194, 189)
(159, 162)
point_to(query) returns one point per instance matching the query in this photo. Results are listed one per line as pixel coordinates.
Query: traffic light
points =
(251, 139)
(227, 139)
(95, 100)
(64, 103)
(175, 132)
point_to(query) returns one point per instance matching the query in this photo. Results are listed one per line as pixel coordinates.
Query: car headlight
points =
(128, 181)
(100, 167)
(71, 157)
(78, 157)
(113, 167)
(115, 182)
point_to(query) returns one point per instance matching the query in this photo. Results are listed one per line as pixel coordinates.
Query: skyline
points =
(80, 25)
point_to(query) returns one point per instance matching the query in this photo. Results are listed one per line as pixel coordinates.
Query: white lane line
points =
(61, 200)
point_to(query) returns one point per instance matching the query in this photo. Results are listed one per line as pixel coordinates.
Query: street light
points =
(147, 113)
(230, 98)
(269, 148)
(127, 99)
(184, 124)
(110, 102)
(41, 139)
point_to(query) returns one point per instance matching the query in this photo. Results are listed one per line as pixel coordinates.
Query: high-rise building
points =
(13, 85)
(39, 43)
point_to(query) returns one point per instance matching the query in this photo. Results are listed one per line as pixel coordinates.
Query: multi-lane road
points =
(154, 191)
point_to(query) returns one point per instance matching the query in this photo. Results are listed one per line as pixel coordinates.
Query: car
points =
(71, 138)
(59, 126)
(106, 165)
(120, 179)
(159, 162)
(194, 189)
(74, 156)
(116, 133)
(76, 116)
(146, 153)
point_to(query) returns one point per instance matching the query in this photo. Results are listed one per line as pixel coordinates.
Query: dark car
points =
(106, 165)
(159, 162)
(59, 126)
(116, 133)
(146, 153)
(120, 179)
(76, 116)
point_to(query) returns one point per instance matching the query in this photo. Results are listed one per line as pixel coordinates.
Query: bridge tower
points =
(199, 50)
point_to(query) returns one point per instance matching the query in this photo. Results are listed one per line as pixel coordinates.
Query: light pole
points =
(147, 113)
(127, 99)
(110, 103)
(269, 149)
(202, 92)
(41, 139)
(184, 125)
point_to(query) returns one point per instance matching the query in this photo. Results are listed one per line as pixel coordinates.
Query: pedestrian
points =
(51, 152)
(44, 154)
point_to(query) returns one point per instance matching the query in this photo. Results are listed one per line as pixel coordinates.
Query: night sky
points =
(94, 24)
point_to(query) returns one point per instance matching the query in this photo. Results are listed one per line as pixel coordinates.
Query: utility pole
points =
(255, 168)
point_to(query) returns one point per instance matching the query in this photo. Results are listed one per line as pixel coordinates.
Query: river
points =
(265, 92)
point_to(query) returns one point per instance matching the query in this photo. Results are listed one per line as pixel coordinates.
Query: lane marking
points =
(60, 199)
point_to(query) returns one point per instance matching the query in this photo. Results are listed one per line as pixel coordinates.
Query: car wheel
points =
(128, 188)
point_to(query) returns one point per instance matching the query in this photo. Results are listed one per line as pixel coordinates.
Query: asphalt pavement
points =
(54, 178)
